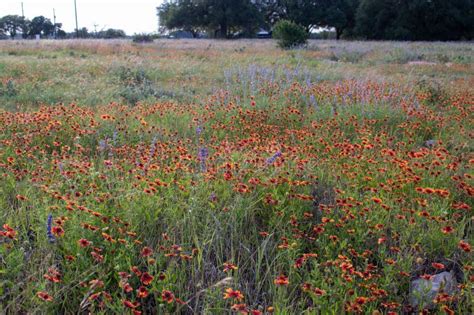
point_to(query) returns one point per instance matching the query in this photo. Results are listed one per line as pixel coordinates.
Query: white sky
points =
(133, 16)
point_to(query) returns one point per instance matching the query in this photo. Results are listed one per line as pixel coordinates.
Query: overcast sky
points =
(133, 16)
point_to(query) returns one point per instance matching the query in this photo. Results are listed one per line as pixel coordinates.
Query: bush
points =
(143, 38)
(290, 34)
(136, 84)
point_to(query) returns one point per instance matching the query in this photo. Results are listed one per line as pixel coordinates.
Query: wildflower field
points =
(221, 177)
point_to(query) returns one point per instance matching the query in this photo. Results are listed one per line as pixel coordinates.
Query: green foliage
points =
(343, 142)
(370, 19)
(111, 33)
(142, 38)
(415, 20)
(136, 84)
(11, 24)
(41, 26)
(9, 89)
(339, 14)
(290, 34)
(181, 15)
(434, 91)
(83, 33)
(221, 17)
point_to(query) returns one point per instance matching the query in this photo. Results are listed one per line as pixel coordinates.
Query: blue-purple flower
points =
(49, 225)
(273, 158)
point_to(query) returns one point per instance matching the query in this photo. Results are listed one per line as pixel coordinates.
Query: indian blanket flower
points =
(241, 308)
(8, 232)
(167, 296)
(146, 278)
(83, 242)
(44, 296)
(229, 266)
(437, 266)
(281, 280)
(131, 305)
(142, 292)
(465, 246)
(233, 294)
(146, 251)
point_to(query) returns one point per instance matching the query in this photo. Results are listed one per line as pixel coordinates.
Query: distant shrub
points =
(9, 89)
(290, 34)
(111, 33)
(403, 55)
(434, 91)
(143, 38)
(136, 84)
(347, 55)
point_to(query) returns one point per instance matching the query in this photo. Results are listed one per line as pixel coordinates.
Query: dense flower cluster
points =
(335, 207)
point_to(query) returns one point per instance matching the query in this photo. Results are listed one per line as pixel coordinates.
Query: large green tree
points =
(338, 14)
(42, 26)
(12, 24)
(184, 14)
(221, 17)
(312, 14)
(306, 13)
(415, 19)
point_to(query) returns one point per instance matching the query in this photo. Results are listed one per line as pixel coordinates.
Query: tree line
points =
(351, 19)
(14, 25)
(11, 25)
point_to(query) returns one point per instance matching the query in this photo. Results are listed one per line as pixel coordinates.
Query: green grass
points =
(338, 166)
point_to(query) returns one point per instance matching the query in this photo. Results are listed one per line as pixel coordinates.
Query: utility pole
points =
(77, 25)
(22, 11)
(54, 25)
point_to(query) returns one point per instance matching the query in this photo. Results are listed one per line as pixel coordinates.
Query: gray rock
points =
(423, 292)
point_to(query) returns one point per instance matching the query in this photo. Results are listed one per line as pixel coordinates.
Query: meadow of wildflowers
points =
(202, 177)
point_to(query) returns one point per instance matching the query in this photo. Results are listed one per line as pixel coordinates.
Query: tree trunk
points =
(223, 30)
(338, 33)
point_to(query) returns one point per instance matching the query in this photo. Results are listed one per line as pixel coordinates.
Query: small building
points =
(180, 35)
(264, 34)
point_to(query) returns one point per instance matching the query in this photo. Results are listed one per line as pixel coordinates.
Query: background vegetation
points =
(363, 19)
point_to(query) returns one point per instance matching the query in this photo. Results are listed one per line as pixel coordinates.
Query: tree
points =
(185, 14)
(290, 34)
(438, 20)
(11, 24)
(111, 33)
(221, 17)
(25, 29)
(83, 33)
(339, 14)
(42, 26)
(303, 12)
(415, 19)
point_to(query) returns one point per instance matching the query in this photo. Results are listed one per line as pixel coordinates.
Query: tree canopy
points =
(415, 19)
(12, 24)
(364, 19)
(39, 25)
(222, 18)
